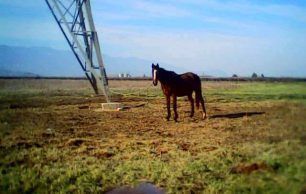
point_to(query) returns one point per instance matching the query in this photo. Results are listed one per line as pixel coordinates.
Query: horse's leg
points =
(203, 107)
(199, 99)
(191, 104)
(175, 107)
(168, 108)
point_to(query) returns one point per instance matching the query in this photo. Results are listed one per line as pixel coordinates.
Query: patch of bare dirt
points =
(75, 142)
(68, 125)
(249, 168)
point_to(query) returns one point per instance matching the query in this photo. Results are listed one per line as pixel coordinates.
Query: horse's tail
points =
(198, 92)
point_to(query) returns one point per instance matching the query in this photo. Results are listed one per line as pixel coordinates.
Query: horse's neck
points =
(166, 77)
(163, 82)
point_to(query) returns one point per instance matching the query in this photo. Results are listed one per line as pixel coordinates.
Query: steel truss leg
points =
(74, 18)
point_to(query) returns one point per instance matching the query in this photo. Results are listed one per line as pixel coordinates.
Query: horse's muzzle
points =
(155, 83)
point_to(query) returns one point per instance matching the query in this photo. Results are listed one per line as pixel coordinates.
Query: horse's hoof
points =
(204, 117)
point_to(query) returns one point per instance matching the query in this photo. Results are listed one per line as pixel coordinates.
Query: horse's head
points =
(155, 69)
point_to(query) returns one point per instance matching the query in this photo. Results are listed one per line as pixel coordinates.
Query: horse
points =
(177, 85)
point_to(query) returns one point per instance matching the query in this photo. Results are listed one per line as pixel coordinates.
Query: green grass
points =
(91, 152)
(260, 91)
(44, 171)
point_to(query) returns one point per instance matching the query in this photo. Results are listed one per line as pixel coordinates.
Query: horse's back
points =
(186, 83)
(191, 78)
(190, 75)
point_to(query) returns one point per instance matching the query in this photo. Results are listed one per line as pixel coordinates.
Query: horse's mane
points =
(166, 75)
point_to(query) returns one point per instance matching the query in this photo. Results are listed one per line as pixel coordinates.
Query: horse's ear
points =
(153, 65)
(157, 65)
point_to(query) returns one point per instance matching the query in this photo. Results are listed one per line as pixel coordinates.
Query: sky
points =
(241, 37)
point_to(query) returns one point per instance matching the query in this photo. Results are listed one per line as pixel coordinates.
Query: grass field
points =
(55, 139)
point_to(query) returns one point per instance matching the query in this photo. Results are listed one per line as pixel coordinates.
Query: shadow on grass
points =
(236, 115)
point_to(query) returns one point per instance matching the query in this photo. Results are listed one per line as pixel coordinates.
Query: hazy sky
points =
(263, 36)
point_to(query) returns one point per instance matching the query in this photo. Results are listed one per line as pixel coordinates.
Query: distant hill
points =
(133, 66)
(43, 61)
(38, 60)
(4, 72)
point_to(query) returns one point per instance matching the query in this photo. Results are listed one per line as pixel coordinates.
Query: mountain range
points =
(45, 61)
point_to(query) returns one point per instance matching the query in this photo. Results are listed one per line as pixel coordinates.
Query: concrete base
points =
(112, 106)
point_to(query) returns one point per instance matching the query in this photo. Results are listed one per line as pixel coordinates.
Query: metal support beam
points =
(75, 20)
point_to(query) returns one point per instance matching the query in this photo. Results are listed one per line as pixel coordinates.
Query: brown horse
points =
(176, 85)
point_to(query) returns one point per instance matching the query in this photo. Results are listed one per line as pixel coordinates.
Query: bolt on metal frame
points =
(74, 18)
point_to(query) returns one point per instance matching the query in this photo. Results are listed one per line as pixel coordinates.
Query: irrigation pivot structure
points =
(75, 20)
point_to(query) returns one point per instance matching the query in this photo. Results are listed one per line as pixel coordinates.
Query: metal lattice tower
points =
(75, 20)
